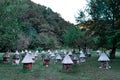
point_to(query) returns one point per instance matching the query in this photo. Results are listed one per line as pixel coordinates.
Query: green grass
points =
(82, 71)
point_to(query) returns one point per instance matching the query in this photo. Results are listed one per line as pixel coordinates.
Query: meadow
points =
(83, 71)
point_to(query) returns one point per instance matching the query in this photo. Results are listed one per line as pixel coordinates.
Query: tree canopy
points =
(104, 23)
(26, 25)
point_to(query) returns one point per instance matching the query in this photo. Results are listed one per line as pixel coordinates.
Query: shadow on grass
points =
(1, 61)
(26, 70)
(74, 69)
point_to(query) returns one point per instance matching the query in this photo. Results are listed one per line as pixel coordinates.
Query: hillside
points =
(26, 25)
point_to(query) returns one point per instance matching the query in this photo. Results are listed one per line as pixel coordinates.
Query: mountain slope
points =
(31, 24)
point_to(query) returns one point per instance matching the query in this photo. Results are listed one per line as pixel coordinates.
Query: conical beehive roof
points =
(103, 57)
(82, 54)
(28, 59)
(22, 52)
(52, 55)
(67, 60)
(17, 53)
(58, 57)
(36, 53)
(75, 57)
(70, 53)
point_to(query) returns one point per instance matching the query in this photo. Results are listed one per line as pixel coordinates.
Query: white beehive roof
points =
(61, 51)
(17, 52)
(75, 57)
(52, 55)
(28, 59)
(43, 52)
(26, 51)
(36, 53)
(98, 51)
(22, 52)
(33, 55)
(65, 52)
(70, 53)
(103, 57)
(29, 52)
(58, 57)
(82, 54)
(67, 60)
(49, 50)
(56, 51)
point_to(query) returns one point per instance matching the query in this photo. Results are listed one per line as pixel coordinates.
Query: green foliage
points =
(104, 12)
(48, 42)
(73, 37)
(39, 49)
(104, 21)
(81, 17)
(21, 22)
(10, 25)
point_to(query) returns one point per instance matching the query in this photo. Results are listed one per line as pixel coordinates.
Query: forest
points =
(36, 43)
(26, 25)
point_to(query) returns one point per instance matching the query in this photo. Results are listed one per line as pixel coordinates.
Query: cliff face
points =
(38, 25)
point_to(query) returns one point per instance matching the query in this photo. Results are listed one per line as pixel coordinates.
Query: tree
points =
(105, 17)
(9, 26)
(81, 17)
(74, 37)
(23, 25)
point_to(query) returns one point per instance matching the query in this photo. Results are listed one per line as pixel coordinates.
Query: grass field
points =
(83, 71)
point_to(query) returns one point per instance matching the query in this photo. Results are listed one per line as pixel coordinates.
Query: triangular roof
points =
(46, 57)
(98, 51)
(49, 50)
(56, 51)
(58, 57)
(36, 53)
(17, 53)
(65, 52)
(70, 53)
(26, 51)
(28, 59)
(82, 54)
(33, 55)
(61, 50)
(75, 57)
(103, 57)
(22, 52)
(52, 54)
(67, 60)
(43, 52)
(29, 52)
(81, 51)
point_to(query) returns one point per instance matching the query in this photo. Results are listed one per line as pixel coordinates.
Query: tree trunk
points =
(112, 53)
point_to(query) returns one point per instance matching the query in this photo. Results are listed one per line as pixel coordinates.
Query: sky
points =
(68, 9)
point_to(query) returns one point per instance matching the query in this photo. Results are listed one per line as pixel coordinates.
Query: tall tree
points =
(74, 37)
(105, 19)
